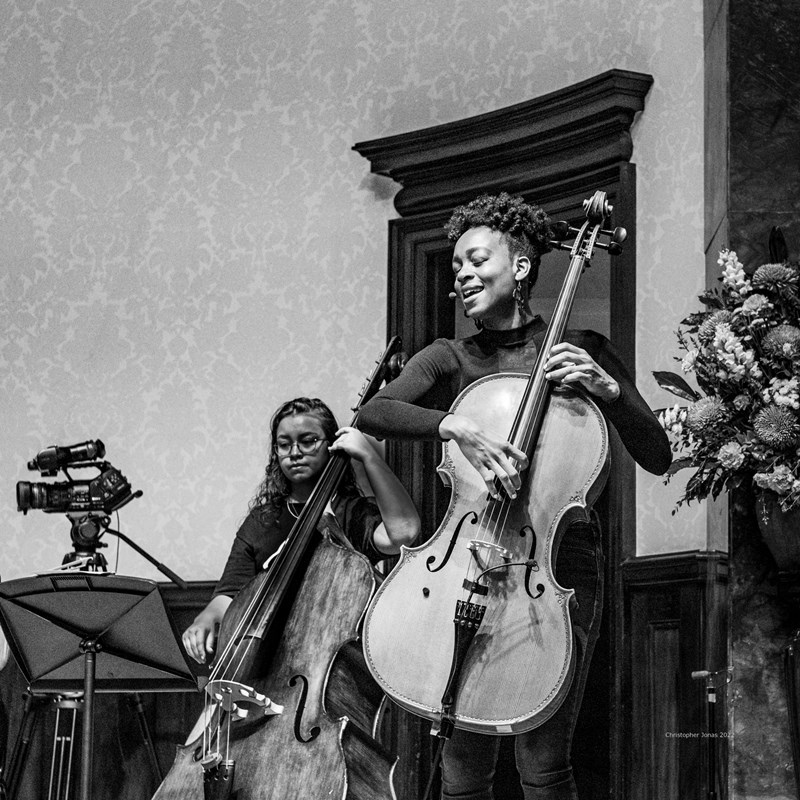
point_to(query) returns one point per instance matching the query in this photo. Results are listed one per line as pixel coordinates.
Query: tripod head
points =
(85, 534)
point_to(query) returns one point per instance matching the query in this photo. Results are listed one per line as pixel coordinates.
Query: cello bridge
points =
(488, 555)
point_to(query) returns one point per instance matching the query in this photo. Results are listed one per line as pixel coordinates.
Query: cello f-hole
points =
(453, 540)
(532, 565)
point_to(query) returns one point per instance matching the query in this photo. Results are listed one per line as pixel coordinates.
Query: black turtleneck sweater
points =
(413, 405)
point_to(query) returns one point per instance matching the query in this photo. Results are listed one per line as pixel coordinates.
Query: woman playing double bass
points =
(499, 241)
(303, 433)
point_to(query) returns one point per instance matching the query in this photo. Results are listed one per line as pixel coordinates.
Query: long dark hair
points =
(274, 488)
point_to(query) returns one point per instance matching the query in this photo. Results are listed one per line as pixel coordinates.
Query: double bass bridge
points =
(238, 699)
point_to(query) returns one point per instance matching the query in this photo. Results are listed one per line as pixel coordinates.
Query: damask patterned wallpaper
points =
(187, 238)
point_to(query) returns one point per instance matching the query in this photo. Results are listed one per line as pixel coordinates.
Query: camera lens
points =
(23, 496)
(31, 495)
(52, 496)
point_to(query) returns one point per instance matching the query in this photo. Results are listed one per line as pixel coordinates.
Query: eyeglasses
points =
(306, 446)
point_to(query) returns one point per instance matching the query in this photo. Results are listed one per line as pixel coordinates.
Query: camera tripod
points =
(68, 708)
(77, 630)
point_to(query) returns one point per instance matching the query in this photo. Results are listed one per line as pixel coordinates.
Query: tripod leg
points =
(63, 748)
(3, 741)
(136, 701)
(68, 782)
(19, 755)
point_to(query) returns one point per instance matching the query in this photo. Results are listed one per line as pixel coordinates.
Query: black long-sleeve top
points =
(263, 530)
(413, 405)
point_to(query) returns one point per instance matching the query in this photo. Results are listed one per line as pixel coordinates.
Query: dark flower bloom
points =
(771, 274)
(782, 340)
(706, 332)
(777, 427)
(705, 412)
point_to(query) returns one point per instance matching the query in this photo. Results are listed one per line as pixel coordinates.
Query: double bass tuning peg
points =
(395, 365)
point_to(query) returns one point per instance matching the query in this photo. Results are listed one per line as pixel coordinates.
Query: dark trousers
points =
(543, 754)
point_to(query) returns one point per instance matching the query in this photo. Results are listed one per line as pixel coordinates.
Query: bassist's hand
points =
(491, 457)
(200, 638)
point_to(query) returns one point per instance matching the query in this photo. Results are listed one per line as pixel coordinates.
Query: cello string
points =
(530, 410)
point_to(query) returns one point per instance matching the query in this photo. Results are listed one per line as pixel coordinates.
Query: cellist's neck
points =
(514, 319)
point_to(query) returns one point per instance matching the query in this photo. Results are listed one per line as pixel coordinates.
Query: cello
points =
(290, 709)
(471, 629)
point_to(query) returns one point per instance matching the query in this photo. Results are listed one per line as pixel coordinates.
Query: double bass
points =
(291, 711)
(471, 629)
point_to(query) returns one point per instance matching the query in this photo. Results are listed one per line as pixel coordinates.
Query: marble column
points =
(752, 183)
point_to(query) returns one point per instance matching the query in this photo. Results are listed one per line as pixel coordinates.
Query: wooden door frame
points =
(555, 150)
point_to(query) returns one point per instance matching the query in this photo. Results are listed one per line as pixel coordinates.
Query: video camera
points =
(106, 492)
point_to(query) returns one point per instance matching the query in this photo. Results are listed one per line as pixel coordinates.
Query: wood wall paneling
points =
(675, 623)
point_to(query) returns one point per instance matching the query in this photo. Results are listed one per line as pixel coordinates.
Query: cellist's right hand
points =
(491, 457)
(200, 638)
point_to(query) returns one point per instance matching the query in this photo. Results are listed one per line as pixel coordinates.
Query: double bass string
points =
(233, 656)
(277, 579)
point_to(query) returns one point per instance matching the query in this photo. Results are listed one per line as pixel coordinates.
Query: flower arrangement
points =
(744, 350)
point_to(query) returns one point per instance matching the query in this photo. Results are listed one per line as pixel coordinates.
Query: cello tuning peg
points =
(618, 235)
(561, 230)
(613, 248)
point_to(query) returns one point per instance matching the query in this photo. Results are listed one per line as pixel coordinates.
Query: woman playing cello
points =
(303, 434)
(499, 241)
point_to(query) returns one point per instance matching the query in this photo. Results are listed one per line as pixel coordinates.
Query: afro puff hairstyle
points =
(525, 227)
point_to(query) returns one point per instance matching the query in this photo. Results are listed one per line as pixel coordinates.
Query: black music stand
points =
(73, 631)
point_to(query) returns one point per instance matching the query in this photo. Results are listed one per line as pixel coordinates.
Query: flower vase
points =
(780, 531)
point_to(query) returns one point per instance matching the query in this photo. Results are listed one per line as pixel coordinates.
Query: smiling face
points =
(486, 275)
(301, 470)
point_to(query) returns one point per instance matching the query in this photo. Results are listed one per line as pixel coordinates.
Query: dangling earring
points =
(519, 299)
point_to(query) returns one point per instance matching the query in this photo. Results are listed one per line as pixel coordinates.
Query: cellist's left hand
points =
(570, 365)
